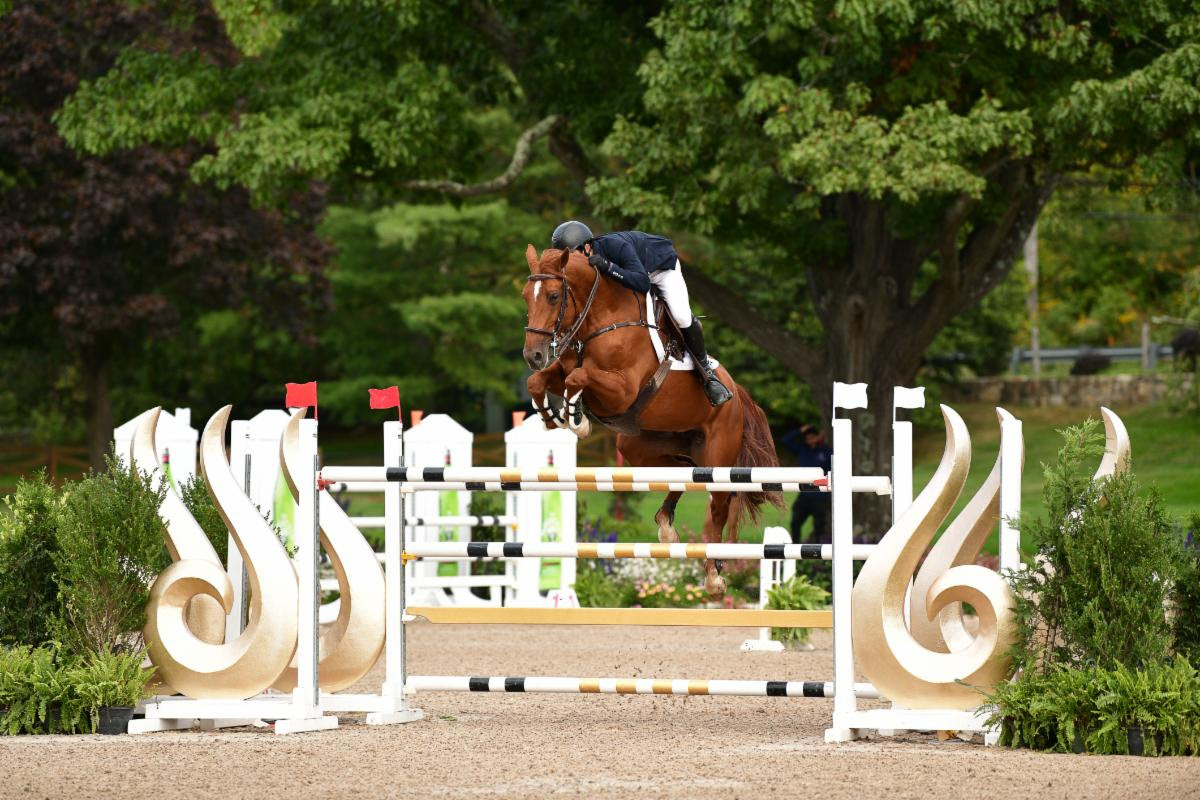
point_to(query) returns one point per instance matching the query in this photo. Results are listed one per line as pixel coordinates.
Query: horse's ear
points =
(532, 258)
(562, 262)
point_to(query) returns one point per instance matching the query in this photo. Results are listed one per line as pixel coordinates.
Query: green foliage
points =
(1105, 565)
(1108, 262)
(29, 601)
(795, 594)
(46, 690)
(596, 588)
(1092, 709)
(427, 298)
(105, 679)
(1186, 609)
(363, 92)
(110, 548)
(36, 691)
(200, 504)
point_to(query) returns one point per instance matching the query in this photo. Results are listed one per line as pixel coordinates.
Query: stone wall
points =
(1072, 390)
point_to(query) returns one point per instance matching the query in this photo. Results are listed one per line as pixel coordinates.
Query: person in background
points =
(808, 445)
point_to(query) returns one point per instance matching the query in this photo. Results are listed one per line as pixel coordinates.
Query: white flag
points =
(904, 397)
(849, 395)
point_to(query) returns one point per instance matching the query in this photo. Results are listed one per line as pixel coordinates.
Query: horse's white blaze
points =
(537, 288)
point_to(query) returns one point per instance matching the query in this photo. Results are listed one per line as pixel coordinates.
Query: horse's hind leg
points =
(714, 525)
(666, 518)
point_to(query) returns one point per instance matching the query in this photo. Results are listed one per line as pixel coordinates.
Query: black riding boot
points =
(693, 340)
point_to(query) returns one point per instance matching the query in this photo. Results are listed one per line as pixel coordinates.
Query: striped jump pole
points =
(606, 479)
(462, 520)
(711, 688)
(726, 551)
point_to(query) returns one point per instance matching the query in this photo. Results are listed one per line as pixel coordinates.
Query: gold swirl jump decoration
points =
(1117, 448)
(254, 660)
(935, 665)
(945, 631)
(352, 643)
(184, 538)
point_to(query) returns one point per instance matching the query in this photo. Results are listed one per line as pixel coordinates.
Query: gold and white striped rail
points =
(605, 479)
(709, 688)
(691, 617)
(680, 550)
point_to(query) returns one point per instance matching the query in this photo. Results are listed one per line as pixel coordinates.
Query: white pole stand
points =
(394, 708)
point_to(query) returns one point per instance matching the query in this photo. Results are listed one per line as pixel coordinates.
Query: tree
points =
(875, 166)
(898, 153)
(450, 135)
(101, 255)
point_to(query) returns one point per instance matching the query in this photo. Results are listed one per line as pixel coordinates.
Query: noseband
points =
(559, 342)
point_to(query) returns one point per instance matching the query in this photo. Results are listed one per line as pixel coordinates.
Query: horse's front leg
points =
(714, 527)
(551, 379)
(606, 390)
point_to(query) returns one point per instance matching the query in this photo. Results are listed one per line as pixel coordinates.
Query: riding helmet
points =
(570, 235)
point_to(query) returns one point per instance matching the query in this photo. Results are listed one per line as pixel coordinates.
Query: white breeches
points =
(675, 294)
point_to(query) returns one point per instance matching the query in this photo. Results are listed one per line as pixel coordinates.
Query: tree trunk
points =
(99, 410)
(873, 354)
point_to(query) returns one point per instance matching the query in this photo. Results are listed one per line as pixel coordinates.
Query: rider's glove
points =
(601, 263)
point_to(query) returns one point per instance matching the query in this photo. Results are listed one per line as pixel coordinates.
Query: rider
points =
(636, 260)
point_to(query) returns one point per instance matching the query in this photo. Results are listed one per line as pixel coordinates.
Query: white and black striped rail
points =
(463, 521)
(682, 550)
(711, 688)
(602, 479)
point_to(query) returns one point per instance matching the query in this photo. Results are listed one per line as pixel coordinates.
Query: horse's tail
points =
(758, 450)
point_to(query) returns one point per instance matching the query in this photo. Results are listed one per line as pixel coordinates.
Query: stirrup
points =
(717, 392)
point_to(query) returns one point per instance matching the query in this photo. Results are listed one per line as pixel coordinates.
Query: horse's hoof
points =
(666, 530)
(714, 584)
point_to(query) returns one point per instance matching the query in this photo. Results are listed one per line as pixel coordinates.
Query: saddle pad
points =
(677, 365)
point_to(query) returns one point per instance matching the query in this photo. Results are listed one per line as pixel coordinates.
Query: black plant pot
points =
(1137, 746)
(115, 719)
(1078, 742)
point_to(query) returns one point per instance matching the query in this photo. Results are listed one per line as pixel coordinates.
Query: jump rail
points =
(694, 550)
(709, 688)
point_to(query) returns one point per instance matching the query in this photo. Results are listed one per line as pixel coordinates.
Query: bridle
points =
(559, 342)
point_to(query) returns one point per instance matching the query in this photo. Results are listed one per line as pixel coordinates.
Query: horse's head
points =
(551, 304)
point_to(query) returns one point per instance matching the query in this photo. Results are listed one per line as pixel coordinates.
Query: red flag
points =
(385, 398)
(300, 395)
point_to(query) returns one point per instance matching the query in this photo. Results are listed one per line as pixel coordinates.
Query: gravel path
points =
(547, 746)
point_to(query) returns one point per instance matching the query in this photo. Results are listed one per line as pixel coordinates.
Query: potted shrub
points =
(796, 594)
(108, 685)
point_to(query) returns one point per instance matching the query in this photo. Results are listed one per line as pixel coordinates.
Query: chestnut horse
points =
(587, 339)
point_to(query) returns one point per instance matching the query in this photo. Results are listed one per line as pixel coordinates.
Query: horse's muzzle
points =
(536, 357)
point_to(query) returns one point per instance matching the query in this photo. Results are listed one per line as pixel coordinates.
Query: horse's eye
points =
(553, 298)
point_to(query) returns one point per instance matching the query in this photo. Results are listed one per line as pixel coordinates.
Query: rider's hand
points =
(600, 262)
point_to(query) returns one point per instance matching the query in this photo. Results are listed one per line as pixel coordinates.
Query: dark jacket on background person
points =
(634, 255)
(819, 456)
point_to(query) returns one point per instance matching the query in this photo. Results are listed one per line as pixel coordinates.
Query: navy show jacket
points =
(636, 255)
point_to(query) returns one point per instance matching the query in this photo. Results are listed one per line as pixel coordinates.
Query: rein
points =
(561, 343)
